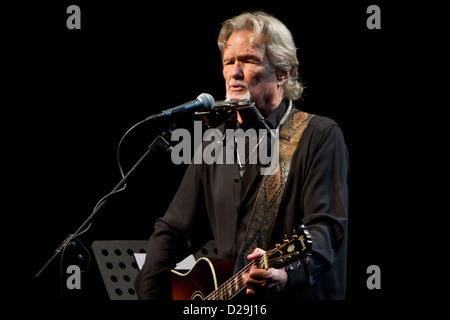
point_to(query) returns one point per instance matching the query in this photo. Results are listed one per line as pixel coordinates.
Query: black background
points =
(74, 93)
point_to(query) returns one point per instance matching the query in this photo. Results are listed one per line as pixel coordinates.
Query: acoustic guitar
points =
(202, 281)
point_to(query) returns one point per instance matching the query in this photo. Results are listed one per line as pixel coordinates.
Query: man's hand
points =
(272, 278)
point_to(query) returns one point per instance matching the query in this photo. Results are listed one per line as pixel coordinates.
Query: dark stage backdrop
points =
(76, 92)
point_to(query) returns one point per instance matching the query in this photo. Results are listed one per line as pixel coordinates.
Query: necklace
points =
(275, 136)
(242, 166)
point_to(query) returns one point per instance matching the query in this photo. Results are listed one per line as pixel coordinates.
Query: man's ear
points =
(282, 76)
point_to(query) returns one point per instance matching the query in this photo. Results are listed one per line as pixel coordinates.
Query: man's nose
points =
(237, 72)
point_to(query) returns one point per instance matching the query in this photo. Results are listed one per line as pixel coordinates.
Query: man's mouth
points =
(237, 86)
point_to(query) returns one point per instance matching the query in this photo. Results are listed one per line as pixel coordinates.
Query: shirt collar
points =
(274, 118)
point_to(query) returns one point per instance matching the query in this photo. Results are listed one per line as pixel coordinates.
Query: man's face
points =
(248, 73)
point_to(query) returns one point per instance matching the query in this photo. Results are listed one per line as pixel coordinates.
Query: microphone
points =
(204, 102)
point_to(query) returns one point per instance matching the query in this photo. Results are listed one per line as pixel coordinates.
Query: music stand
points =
(118, 267)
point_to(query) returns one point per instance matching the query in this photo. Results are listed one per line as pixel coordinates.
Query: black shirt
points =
(213, 202)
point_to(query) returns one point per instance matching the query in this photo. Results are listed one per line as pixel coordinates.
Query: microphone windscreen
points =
(207, 100)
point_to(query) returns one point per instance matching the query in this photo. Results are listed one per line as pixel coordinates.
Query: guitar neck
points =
(297, 247)
(235, 284)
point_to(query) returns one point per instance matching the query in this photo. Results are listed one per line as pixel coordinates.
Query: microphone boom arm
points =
(160, 143)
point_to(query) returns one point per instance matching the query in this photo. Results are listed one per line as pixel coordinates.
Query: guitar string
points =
(215, 295)
(231, 292)
(222, 291)
(223, 288)
(234, 292)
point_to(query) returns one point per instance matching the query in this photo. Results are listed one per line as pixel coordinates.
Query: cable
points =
(120, 144)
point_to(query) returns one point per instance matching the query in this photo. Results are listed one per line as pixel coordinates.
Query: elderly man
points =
(227, 202)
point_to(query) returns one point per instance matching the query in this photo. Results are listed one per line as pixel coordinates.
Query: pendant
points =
(242, 172)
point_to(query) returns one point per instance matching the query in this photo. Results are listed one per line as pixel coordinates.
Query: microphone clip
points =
(233, 103)
(228, 105)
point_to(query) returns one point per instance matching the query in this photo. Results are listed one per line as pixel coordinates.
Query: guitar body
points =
(202, 279)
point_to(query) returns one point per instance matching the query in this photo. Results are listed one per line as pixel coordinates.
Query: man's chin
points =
(238, 96)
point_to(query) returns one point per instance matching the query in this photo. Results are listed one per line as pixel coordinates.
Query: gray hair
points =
(280, 46)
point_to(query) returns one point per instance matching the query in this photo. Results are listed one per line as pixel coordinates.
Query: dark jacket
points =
(213, 202)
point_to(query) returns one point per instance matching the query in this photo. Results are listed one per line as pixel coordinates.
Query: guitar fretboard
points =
(235, 284)
(293, 249)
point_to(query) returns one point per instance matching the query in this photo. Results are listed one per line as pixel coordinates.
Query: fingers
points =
(250, 291)
(255, 254)
(256, 278)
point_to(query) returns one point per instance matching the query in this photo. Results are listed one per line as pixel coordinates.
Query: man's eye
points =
(252, 61)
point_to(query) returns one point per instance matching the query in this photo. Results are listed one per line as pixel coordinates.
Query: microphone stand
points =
(160, 143)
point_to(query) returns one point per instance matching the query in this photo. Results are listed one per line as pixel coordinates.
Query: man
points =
(220, 201)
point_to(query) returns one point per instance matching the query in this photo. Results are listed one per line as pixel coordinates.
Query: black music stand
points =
(118, 267)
